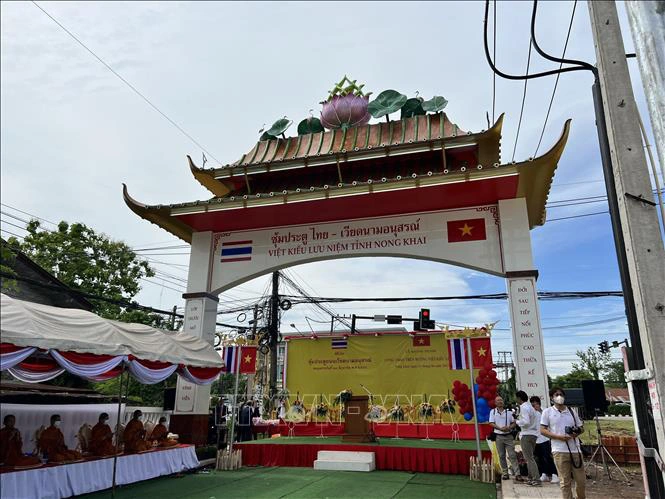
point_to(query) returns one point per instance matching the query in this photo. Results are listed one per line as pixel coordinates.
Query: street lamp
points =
(294, 327)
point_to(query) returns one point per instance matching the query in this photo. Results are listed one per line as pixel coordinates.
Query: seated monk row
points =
(101, 438)
(135, 437)
(11, 446)
(52, 443)
(160, 434)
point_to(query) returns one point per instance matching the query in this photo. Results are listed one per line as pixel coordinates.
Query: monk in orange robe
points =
(11, 446)
(134, 434)
(52, 443)
(159, 434)
(101, 440)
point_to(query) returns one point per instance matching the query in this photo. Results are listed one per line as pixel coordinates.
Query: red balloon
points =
(456, 383)
(491, 404)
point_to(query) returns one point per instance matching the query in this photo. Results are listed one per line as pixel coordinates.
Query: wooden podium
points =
(356, 427)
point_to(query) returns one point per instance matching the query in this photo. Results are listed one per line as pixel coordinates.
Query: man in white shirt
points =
(528, 423)
(502, 421)
(543, 452)
(562, 426)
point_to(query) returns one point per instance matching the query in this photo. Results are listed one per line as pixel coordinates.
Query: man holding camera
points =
(501, 419)
(562, 426)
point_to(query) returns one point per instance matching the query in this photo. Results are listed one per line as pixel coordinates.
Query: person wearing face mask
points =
(543, 452)
(101, 440)
(134, 434)
(52, 443)
(563, 427)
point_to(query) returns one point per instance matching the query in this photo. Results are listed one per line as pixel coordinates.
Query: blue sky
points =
(72, 132)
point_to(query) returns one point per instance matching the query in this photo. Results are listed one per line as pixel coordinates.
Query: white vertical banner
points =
(530, 370)
(200, 318)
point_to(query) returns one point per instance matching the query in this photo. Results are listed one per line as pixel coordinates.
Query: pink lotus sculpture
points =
(346, 106)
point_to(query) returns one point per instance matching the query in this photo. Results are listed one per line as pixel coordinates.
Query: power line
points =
(578, 216)
(556, 82)
(120, 303)
(29, 214)
(12, 233)
(127, 83)
(519, 123)
(493, 73)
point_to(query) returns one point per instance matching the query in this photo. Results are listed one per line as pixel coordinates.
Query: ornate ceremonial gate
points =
(418, 187)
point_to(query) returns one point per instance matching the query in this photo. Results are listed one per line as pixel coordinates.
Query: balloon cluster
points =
(462, 394)
(484, 390)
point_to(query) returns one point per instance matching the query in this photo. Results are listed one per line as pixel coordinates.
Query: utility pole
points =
(274, 332)
(636, 229)
(647, 24)
(250, 378)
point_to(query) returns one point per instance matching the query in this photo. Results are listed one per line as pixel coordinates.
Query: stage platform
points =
(414, 455)
(382, 430)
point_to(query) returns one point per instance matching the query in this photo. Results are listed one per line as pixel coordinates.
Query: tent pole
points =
(235, 399)
(117, 438)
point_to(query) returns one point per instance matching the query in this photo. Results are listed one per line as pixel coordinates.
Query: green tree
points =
(7, 257)
(593, 361)
(92, 263)
(614, 374)
(571, 380)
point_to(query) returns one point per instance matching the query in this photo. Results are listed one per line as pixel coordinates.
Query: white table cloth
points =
(81, 478)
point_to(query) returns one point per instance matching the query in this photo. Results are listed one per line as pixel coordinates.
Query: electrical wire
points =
(526, 82)
(29, 214)
(556, 82)
(91, 296)
(132, 87)
(493, 73)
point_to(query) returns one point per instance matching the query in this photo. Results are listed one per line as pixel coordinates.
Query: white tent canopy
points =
(26, 324)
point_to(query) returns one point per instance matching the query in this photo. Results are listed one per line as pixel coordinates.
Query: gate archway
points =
(419, 187)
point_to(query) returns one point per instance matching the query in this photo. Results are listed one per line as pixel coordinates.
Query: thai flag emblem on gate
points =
(457, 354)
(236, 251)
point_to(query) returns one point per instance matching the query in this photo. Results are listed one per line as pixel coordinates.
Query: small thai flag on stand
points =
(236, 251)
(457, 354)
(230, 356)
(339, 343)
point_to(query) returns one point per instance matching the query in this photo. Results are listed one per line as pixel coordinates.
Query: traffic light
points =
(424, 319)
(604, 347)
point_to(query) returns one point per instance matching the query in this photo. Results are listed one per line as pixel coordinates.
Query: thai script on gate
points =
(376, 230)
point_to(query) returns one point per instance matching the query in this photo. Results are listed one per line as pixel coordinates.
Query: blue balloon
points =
(467, 416)
(481, 403)
(483, 419)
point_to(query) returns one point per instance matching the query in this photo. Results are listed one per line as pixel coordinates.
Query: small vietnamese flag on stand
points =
(247, 359)
(472, 229)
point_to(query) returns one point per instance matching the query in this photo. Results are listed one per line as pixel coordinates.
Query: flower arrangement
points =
(447, 406)
(321, 410)
(343, 397)
(376, 414)
(425, 410)
(396, 413)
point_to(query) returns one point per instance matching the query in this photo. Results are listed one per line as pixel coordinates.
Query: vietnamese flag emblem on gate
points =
(472, 229)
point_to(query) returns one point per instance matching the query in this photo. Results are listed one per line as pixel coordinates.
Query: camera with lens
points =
(573, 430)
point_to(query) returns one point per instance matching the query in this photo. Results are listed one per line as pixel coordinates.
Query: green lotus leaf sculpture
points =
(279, 127)
(387, 102)
(310, 125)
(412, 107)
(266, 136)
(435, 104)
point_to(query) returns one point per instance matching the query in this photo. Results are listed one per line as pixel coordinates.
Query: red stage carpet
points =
(454, 461)
(387, 430)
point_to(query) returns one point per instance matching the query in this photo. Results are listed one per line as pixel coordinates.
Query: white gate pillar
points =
(190, 416)
(528, 349)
